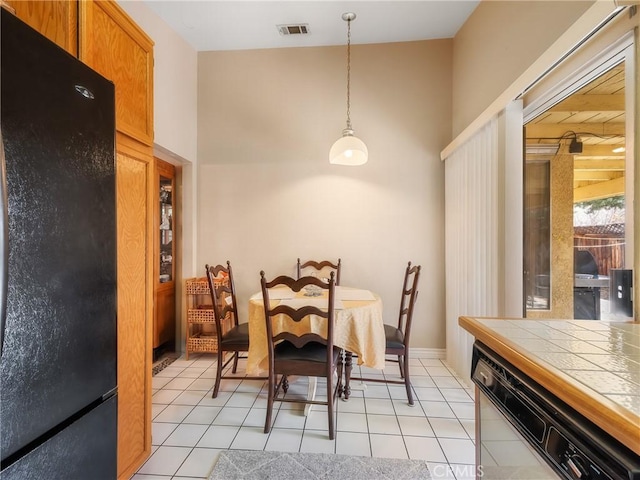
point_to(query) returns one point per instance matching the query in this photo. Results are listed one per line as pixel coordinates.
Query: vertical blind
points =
(471, 238)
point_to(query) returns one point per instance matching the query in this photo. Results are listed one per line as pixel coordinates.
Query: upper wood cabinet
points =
(114, 46)
(56, 20)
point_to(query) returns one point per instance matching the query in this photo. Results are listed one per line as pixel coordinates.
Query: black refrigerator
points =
(58, 392)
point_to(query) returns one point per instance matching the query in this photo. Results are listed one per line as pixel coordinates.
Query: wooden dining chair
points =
(298, 352)
(236, 338)
(322, 268)
(398, 336)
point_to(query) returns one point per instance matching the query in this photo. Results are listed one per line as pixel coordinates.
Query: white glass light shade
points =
(348, 150)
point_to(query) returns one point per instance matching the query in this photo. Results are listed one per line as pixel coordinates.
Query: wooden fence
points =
(607, 251)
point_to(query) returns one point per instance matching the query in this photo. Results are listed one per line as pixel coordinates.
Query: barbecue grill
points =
(586, 289)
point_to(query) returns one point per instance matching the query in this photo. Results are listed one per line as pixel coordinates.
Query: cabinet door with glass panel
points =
(164, 324)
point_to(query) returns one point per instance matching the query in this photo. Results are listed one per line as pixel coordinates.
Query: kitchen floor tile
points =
(355, 404)
(220, 401)
(256, 417)
(387, 424)
(218, 436)
(456, 395)
(379, 406)
(463, 410)
(441, 471)
(424, 448)
(284, 440)
(315, 441)
(318, 419)
(430, 394)
(388, 446)
(189, 397)
(160, 432)
(291, 418)
(350, 443)
(199, 463)
(156, 409)
(186, 435)
(159, 382)
(165, 461)
(202, 415)
(463, 471)
(231, 416)
(174, 413)
(250, 438)
(437, 409)
(458, 450)
(352, 422)
(178, 383)
(190, 428)
(204, 384)
(165, 397)
(448, 428)
(402, 407)
(418, 427)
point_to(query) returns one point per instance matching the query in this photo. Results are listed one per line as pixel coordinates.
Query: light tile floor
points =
(190, 428)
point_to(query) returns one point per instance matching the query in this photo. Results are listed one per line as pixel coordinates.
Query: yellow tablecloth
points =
(359, 327)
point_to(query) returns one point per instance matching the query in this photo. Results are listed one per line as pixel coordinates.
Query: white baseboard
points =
(428, 352)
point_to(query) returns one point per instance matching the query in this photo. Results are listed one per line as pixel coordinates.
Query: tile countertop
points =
(592, 365)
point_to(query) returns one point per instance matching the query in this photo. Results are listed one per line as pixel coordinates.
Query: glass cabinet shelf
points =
(166, 230)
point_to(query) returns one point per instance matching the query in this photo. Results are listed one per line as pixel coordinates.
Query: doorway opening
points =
(577, 219)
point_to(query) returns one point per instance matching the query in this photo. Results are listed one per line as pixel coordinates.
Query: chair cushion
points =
(237, 336)
(311, 352)
(394, 337)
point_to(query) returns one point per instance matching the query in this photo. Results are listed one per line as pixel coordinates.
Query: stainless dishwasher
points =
(524, 432)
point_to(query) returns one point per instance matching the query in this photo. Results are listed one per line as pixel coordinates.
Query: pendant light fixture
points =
(349, 149)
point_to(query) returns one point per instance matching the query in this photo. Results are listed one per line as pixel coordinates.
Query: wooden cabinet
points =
(114, 46)
(57, 20)
(164, 312)
(117, 48)
(134, 172)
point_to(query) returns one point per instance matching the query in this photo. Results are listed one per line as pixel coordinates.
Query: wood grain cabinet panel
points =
(118, 49)
(55, 19)
(134, 170)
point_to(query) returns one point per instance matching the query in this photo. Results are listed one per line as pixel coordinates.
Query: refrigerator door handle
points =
(4, 243)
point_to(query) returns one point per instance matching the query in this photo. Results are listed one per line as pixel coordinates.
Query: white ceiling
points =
(239, 24)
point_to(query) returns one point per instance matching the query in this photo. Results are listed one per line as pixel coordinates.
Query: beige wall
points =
(268, 195)
(499, 41)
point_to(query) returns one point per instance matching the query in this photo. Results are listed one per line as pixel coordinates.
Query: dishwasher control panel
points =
(572, 460)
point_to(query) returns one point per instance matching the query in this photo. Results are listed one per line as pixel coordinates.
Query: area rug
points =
(163, 363)
(259, 465)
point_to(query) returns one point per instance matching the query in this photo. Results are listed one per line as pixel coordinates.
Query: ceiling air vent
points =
(299, 29)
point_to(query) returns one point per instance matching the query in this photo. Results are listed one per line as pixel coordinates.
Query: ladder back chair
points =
(302, 352)
(236, 338)
(397, 336)
(322, 268)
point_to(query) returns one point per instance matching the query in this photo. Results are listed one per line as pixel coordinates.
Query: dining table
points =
(358, 328)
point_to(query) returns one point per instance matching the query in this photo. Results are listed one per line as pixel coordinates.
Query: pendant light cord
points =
(349, 74)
